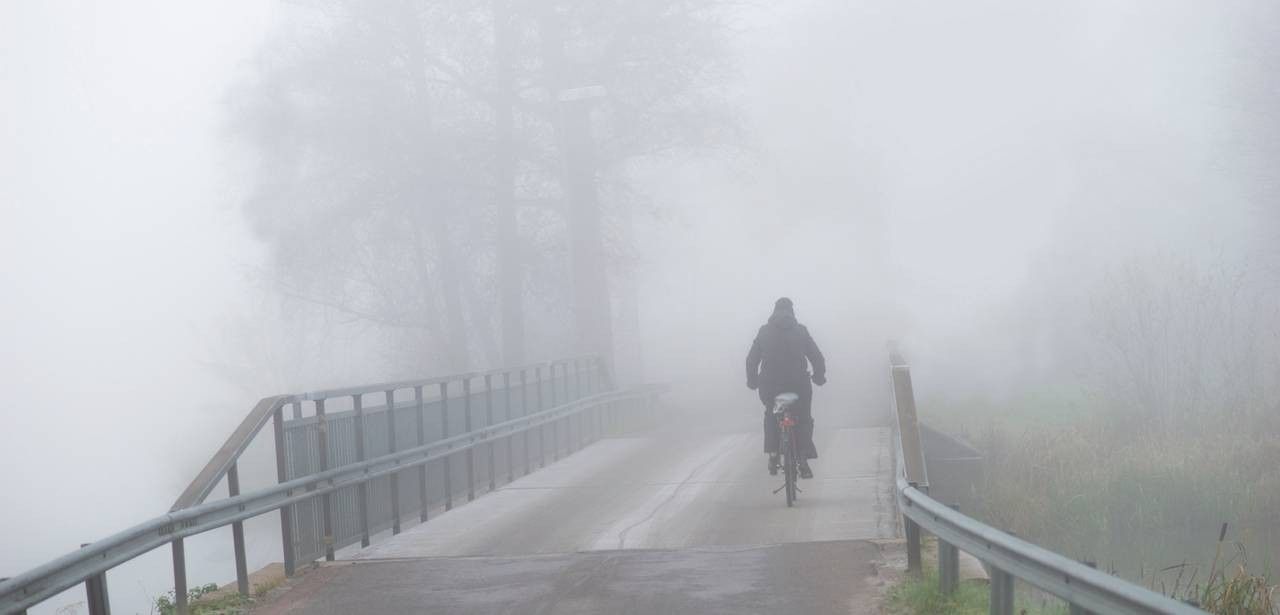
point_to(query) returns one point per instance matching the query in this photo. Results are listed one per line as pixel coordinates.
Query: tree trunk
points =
(510, 271)
(592, 310)
(458, 352)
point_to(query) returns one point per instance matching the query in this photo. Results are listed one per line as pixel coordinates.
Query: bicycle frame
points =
(787, 445)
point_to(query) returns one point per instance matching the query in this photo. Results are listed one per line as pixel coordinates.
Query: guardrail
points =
(191, 515)
(1006, 557)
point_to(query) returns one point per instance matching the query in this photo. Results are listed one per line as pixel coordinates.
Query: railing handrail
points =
(435, 380)
(204, 482)
(213, 471)
(1079, 585)
(44, 581)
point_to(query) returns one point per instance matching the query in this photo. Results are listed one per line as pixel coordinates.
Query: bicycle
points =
(787, 444)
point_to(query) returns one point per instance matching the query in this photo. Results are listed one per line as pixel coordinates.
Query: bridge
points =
(547, 489)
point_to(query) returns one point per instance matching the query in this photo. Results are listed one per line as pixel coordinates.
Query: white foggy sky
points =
(922, 156)
(121, 245)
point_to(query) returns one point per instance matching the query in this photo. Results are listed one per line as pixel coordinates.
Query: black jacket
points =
(781, 354)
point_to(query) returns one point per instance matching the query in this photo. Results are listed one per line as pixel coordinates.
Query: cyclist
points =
(778, 363)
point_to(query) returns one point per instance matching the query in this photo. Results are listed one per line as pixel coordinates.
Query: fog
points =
(206, 205)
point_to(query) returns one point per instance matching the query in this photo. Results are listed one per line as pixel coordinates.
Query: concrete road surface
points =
(649, 524)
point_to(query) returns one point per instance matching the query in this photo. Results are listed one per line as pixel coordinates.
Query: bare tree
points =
(416, 169)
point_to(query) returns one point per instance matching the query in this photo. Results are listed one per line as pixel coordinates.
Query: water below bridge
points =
(659, 523)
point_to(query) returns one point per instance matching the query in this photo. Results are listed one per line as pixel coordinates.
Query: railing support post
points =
(466, 426)
(422, 439)
(555, 425)
(362, 490)
(237, 535)
(391, 448)
(488, 422)
(524, 411)
(326, 500)
(511, 460)
(948, 565)
(444, 435)
(179, 577)
(542, 430)
(912, 531)
(1079, 610)
(95, 589)
(286, 512)
(1001, 592)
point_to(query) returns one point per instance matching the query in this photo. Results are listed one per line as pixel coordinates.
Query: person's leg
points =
(771, 435)
(804, 416)
(803, 412)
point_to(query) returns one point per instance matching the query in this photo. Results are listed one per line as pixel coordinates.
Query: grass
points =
(1130, 491)
(210, 600)
(920, 595)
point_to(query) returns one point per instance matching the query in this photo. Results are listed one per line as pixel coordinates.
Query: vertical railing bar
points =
(95, 589)
(466, 425)
(326, 500)
(577, 378)
(237, 534)
(555, 425)
(391, 448)
(1001, 592)
(296, 409)
(488, 422)
(542, 430)
(564, 381)
(422, 439)
(179, 577)
(524, 411)
(286, 512)
(362, 489)
(511, 461)
(1079, 610)
(444, 434)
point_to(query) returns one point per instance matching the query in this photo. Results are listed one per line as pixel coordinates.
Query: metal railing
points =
(596, 414)
(1006, 557)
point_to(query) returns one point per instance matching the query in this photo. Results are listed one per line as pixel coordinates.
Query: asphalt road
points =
(649, 524)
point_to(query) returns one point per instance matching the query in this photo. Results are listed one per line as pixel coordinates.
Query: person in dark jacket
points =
(779, 363)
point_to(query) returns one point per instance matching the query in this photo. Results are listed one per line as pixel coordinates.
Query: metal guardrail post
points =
(488, 422)
(915, 563)
(577, 379)
(542, 430)
(362, 490)
(948, 564)
(326, 500)
(286, 512)
(511, 460)
(524, 411)
(444, 433)
(95, 589)
(909, 427)
(1001, 592)
(1079, 610)
(422, 439)
(555, 425)
(237, 534)
(179, 577)
(391, 448)
(564, 382)
(466, 425)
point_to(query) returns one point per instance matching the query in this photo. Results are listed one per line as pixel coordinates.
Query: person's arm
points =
(816, 359)
(753, 364)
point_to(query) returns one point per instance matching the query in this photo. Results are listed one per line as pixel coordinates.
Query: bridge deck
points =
(660, 523)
